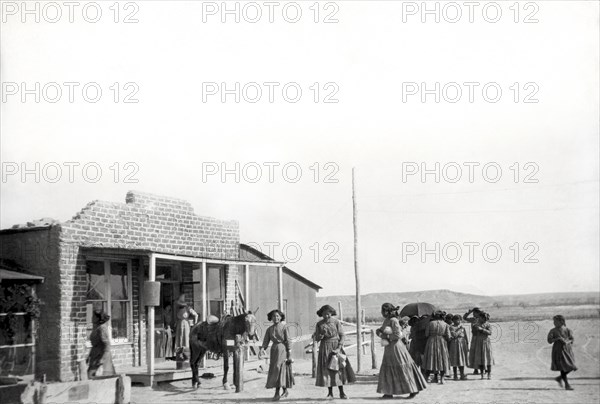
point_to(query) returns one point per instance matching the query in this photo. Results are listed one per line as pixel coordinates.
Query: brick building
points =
(105, 254)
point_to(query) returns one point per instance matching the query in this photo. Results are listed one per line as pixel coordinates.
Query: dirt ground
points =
(521, 375)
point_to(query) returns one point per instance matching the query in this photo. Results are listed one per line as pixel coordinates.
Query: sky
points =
(517, 116)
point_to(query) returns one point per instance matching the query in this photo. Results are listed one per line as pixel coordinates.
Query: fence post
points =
(373, 354)
(314, 358)
(340, 311)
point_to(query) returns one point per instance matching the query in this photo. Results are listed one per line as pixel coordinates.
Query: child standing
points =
(280, 376)
(563, 359)
(459, 347)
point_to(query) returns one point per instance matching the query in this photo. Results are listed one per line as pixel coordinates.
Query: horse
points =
(213, 337)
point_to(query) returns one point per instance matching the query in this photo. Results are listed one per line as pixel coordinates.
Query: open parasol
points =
(417, 309)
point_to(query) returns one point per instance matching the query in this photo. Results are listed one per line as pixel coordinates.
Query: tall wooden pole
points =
(358, 304)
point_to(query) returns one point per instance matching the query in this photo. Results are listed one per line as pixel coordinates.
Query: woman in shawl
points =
(100, 355)
(563, 359)
(330, 333)
(436, 351)
(280, 375)
(398, 374)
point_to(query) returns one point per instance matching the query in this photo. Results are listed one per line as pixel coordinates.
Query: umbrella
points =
(417, 309)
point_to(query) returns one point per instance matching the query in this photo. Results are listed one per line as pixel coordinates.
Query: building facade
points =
(107, 252)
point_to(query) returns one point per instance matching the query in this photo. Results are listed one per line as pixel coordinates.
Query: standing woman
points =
(418, 340)
(281, 355)
(100, 355)
(182, 330)
(398, 374)
(563, 359)
(459, 348)
(474, 334)
(483, 358)
(330, 333)
(436, 350)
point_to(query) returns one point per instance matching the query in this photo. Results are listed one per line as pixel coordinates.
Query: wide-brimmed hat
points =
(326, 309)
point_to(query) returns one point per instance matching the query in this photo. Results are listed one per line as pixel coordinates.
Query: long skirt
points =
(459, 352)
(100, 363)
(417, 349)
(280, 374)
(482, 352)
(436, 354)
(563, 358)
(329, 378)
(399, 374)
(182, 334)
(471, 361)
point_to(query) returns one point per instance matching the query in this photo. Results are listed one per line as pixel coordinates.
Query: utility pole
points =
(358, 303)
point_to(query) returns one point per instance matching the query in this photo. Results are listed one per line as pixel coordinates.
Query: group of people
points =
(440, 342)
(411, 360)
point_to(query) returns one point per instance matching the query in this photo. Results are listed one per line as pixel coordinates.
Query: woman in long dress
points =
(330, 333)
(281, 354)
(182, 331)
(100, 355)
(563, 358)
(483, 359)
(459, 347)
(474, 335)
(436, 351)
(418, 340)
(398, 374)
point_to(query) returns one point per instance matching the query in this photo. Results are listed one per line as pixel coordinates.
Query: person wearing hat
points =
(330, 334)
(398, 374)
(280, 374)
(182, 330)
(100, 355)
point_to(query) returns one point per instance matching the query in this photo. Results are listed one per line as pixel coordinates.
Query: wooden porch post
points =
(280, 286)
(204, 305)
(150, 325)
(247, 286)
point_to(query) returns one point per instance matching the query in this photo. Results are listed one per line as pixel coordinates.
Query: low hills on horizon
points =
(458, 302)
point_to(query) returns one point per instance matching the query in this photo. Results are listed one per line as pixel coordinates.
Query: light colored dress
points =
(182, 332)
(459, 346)
(331, 336)
(278, 370)
(398, 373)
(436, 351)
(481, 347)
(563, 358)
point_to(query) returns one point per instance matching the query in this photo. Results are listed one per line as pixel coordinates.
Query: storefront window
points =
(109, 284)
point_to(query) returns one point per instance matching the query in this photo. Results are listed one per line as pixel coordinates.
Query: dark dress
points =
(418, 341)
(436, 352)
(398, 374)
(474, 337)
(563, 358)
(331, 336)
(100, 353)
(279, 374)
